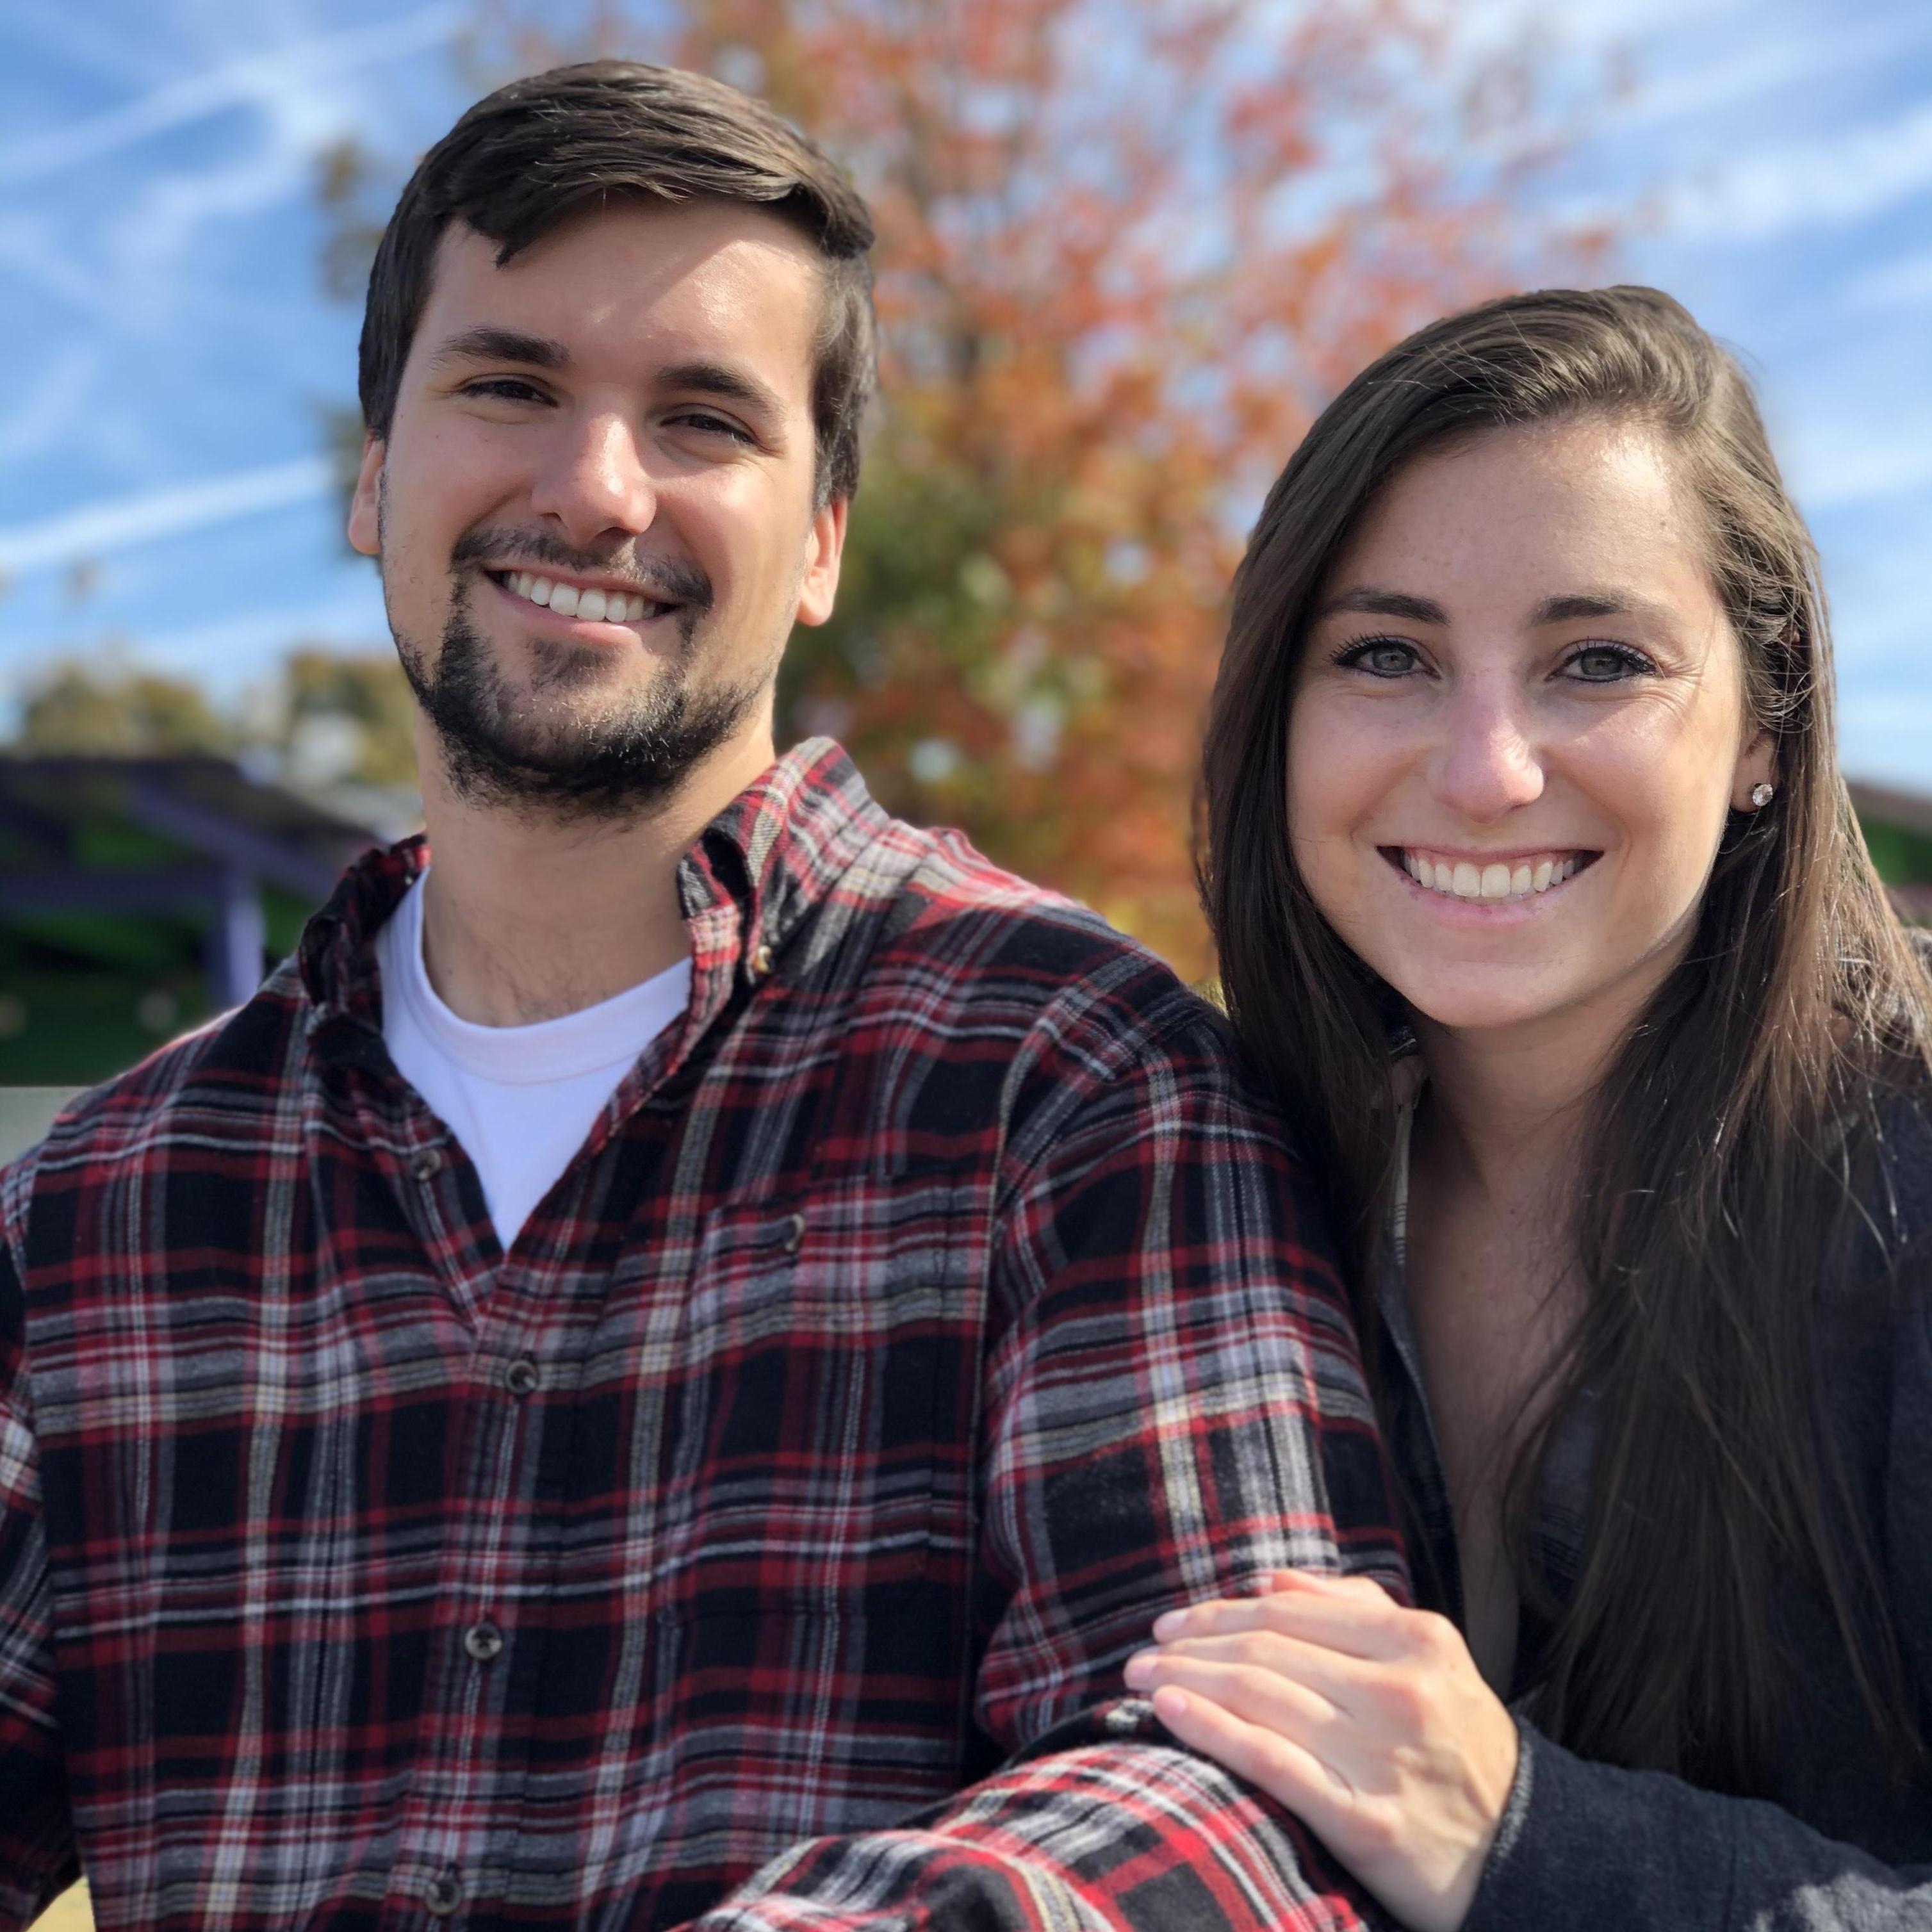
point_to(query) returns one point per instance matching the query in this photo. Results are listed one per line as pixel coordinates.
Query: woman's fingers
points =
(1363, 1590)
(1284, 1768)
(1384, 1699)
(1362, 1622)
(1256, 1689)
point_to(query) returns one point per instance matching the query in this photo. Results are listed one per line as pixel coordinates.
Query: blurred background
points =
(1128, 246)
(1127, 250)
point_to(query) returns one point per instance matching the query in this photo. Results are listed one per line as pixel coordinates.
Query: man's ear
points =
(824, 547)
(1757, 764)
(365, 518)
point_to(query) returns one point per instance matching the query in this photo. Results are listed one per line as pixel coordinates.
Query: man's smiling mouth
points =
(592, 604)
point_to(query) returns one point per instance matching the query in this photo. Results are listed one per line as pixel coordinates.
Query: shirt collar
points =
(749, 880)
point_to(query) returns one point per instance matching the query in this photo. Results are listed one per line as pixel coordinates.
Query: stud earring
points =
(1761, 795)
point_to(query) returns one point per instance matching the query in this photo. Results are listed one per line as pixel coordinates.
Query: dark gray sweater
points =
(1585, 1845)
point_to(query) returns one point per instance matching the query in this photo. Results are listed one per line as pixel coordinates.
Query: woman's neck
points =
(1507, 1105)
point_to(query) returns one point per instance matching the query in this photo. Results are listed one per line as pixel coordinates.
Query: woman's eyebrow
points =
(1581, 604)
(1370, 602)
(1584, 604)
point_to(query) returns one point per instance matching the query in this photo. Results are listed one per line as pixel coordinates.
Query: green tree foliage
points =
(327, 717)
(1125, 251)
(75, 707)
(361, 699)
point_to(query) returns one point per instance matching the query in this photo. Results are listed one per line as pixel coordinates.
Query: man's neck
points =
(526, 917)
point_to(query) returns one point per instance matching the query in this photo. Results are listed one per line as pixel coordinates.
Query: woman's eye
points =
(1381, 657)
(1607, 664)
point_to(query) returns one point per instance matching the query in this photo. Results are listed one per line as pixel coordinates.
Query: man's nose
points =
(596, 481)
(1488, 763)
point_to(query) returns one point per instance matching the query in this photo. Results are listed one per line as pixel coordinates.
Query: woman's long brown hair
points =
(1721, 1181)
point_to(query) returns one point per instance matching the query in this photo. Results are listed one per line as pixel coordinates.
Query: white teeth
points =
(1498, 879)
(610, 606)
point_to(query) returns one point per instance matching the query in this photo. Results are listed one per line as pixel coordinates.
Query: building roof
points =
(195, 820)
(1910, 812)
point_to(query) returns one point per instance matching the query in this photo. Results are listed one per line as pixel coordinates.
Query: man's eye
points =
(1607, 663)
(704, 420)
(1381, 657)
(505, 388)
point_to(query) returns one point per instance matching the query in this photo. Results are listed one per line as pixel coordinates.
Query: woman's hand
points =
(1369, 1722)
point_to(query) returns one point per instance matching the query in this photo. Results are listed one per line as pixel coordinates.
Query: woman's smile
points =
(1492, 882)
(1519, 671)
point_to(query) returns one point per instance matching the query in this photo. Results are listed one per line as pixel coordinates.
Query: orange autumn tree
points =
(1125, 251)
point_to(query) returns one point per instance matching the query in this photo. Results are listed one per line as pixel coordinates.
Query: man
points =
(704, 1320)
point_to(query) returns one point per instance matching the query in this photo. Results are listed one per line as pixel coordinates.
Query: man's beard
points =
(502, 747)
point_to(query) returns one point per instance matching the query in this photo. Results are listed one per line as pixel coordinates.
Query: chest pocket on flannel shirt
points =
(824, 1428)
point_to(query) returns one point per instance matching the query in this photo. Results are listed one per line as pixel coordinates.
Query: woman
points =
(1537, 888)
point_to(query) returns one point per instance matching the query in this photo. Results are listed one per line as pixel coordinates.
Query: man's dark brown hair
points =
(526, 158)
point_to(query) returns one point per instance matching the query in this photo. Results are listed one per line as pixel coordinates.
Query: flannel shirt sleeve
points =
(1173, 1404)
(36, 1850)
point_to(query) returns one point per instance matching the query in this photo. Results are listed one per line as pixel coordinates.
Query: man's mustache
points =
(663, 580)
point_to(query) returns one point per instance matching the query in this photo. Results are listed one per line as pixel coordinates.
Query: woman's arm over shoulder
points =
(1589, 1847)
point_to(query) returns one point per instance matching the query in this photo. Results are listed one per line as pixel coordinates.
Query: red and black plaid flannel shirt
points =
(929, 1309)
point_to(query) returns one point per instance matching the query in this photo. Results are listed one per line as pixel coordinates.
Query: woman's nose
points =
(596, 482)
(1487, 764)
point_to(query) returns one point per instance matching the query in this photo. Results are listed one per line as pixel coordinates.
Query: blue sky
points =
(173, 349)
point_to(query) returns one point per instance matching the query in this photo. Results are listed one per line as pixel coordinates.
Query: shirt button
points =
(428, 1164)
(442, 1894)
(484, 1641)
(761, 961)
(792, 1238)
(521, 1377)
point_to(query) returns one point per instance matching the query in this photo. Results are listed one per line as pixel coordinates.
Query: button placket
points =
(484, 1641)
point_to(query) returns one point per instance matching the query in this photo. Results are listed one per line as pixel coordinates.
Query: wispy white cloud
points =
(1676, 90)
(56, 392)
(258, 80)
(1903, 283)
(31, 245)
(1842, 178)
(1864, 472)
(94, 530)
(230, 651)
(1885, 733)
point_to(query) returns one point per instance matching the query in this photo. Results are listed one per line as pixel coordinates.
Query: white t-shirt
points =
(521, 1099)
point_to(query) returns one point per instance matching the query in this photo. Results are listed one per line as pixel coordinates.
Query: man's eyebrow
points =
(489, 344)
(1371, 602)
(727, 385)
